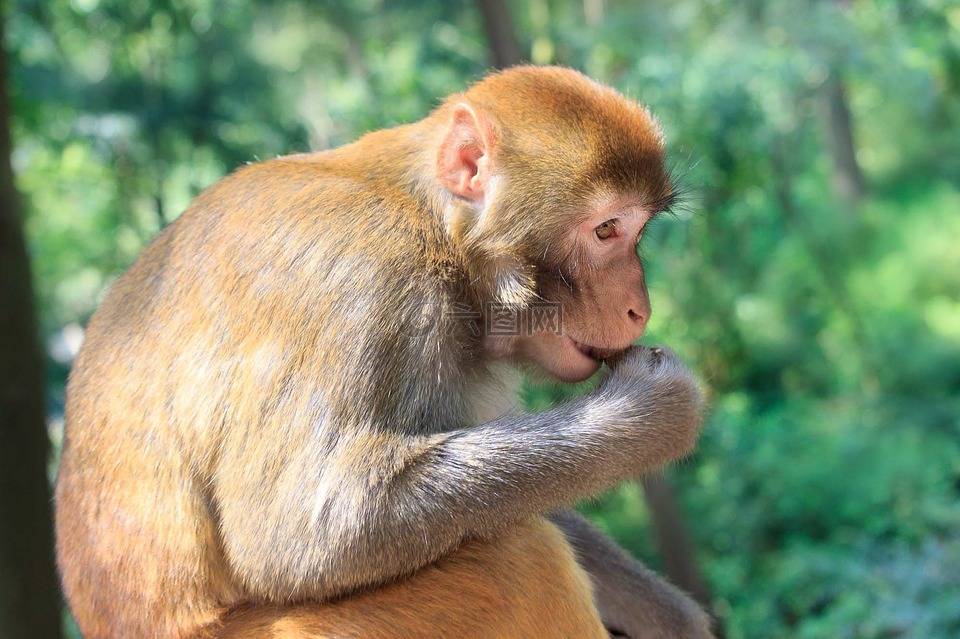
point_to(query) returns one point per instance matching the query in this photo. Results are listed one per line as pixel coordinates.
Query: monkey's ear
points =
(463, 160)
(465, 168)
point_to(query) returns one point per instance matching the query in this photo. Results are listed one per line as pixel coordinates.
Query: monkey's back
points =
(256, 303)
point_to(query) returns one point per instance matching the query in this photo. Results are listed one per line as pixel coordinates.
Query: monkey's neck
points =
(496, 395)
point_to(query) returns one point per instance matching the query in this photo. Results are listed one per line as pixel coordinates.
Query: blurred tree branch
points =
(848, 182)
(498, 25)
(673, 543)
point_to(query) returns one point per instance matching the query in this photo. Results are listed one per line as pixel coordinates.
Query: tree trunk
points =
(498, 25)
(848, 181)
(29, 600)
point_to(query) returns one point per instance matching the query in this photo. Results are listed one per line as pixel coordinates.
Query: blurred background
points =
(812, 277)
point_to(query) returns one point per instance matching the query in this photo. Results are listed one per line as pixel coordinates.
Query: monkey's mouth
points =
(593, 352)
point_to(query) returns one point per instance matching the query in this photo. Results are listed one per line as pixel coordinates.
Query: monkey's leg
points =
(633, 600)
(524, 584)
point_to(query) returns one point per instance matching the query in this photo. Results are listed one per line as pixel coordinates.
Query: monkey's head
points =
(552, 178)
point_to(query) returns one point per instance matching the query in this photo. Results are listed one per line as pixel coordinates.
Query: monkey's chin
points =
(569, 361)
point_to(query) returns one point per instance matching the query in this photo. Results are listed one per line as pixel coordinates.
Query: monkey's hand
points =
(654, 399)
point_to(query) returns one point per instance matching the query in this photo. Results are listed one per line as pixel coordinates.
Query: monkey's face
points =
(597, 283)
(552, 183)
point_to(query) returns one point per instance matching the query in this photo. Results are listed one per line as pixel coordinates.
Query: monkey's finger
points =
(614, 360)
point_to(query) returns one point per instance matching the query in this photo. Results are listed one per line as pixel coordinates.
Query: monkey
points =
(275, 425)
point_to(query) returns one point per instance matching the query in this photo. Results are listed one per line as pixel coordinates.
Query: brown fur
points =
(493, 589)
(268, 422)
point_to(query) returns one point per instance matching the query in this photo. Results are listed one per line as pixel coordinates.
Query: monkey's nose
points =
(637, 322)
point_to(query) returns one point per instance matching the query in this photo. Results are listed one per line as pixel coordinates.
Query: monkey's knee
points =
(531, 583)
(524, 584)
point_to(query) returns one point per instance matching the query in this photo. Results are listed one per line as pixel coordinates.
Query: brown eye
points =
(606, 230)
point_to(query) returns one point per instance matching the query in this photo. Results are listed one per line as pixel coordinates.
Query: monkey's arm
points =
(633, 600)
(378, 504)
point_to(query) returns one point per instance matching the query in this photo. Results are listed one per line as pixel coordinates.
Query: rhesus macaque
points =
(275, 426)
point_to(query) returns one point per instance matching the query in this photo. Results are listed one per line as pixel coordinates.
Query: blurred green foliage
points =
(824, 499)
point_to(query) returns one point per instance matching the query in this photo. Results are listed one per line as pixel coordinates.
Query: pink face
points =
(605, 302)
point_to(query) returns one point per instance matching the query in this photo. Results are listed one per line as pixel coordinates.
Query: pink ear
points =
(463, 158)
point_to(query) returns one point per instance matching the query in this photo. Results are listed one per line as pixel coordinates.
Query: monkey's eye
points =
(606, 230)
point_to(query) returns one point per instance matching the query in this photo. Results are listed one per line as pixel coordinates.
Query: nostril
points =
(635, 316)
